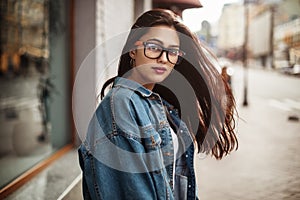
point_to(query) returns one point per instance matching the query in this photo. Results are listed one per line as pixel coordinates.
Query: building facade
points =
(42, 48)
(271, 36)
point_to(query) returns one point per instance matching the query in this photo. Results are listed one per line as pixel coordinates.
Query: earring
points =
(132, 62)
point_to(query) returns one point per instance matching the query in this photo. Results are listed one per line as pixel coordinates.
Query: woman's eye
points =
(154, 48)
(173, 52)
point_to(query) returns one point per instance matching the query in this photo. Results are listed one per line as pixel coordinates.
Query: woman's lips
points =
(159, 70)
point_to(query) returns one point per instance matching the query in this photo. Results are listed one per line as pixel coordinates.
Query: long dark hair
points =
(212, 102)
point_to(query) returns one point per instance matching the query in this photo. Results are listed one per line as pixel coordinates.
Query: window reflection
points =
(26, 88)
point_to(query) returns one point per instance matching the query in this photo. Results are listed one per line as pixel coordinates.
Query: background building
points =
(273, 32)
(231, 31)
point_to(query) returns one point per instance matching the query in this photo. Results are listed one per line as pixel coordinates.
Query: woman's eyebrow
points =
(156, 40)
(161, 42)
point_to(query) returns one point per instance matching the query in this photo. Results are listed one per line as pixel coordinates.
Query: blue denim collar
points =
(135, 86)
(124, 82)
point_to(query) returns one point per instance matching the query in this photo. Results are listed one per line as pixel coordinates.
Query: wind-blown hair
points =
(210, 110)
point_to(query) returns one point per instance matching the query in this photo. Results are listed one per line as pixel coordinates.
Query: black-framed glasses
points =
(154, 51)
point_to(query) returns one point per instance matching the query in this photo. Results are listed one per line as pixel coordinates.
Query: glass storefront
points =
(34, 83)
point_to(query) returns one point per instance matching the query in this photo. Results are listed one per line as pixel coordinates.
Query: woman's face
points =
(149, 68)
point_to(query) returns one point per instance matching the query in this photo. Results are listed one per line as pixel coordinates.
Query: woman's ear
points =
(132, 53)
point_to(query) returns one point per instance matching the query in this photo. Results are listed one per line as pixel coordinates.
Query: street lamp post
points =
(245, 56)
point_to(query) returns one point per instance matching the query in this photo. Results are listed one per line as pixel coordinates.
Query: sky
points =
(211, 11)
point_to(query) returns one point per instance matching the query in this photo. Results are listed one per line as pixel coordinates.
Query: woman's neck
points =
(149, 86)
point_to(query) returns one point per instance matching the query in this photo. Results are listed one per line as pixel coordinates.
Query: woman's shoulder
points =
(125, 84)
(122, 98)
(124, 94)
(125, 89)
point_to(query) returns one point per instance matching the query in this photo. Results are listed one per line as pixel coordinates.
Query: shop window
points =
(34, 83)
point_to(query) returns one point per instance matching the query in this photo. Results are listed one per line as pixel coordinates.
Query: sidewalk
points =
(54, 182)
(266, 166)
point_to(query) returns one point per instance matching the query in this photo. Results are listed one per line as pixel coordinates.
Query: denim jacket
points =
(128, 152)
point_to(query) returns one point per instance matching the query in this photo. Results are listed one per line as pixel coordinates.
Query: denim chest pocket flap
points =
(152, 141)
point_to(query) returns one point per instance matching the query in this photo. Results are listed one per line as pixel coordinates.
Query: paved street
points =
(267, 164)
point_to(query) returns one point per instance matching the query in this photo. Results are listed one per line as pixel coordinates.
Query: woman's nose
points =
(163, 58)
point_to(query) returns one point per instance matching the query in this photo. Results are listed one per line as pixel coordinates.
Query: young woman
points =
(166, 100)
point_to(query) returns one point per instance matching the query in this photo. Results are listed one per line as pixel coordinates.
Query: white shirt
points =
(175, 146)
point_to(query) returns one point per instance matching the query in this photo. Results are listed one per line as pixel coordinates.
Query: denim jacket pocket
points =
(181, 186)
(152, 142)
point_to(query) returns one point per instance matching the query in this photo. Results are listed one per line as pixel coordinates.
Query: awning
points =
(181, 4)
